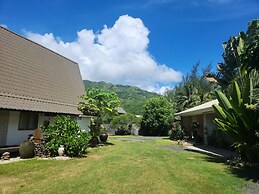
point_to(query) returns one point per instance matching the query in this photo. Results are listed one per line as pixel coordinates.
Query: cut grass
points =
(127, 166)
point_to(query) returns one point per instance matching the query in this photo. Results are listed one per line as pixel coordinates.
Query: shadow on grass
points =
(247, 173)
(105, 144)
(108, 143)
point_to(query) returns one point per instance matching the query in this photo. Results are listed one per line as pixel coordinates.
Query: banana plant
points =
(238, 118)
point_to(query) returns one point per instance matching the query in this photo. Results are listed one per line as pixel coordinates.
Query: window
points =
(28, 120)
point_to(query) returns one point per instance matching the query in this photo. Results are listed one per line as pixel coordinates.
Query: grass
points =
(124, 167)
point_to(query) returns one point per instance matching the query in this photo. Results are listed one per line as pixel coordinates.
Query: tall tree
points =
(98, 103)
(193, 90)
(157, 118)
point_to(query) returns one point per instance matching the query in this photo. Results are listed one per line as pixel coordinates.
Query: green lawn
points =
(124, 167)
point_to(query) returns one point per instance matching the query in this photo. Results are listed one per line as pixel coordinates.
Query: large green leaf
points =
(223, 100)
(241, 43)
(236, 96)
(219, 111)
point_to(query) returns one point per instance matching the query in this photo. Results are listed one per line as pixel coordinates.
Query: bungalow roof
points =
(35, 78)
(203, 108)
(121, 110)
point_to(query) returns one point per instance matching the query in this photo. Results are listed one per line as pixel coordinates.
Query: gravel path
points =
(17, 159)
(253, 188)
(137, 138)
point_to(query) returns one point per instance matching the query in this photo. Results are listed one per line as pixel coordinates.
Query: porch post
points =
(205, 129)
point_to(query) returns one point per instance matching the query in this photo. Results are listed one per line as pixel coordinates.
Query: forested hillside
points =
(132, 98)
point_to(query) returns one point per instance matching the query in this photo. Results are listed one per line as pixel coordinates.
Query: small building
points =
(120, 110)
(36, 84)
(198, 121)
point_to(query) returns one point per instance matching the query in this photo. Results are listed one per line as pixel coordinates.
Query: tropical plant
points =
(239, 118)
(250, 51)
(158, 117)
(66, 131)
(241, 56)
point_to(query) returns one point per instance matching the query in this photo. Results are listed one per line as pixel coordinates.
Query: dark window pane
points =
(28, 120)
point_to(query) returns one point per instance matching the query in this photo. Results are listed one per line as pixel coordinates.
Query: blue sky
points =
(146, 43)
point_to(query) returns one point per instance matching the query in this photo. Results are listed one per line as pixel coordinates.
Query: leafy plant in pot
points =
(98, 103)
(104, 135)
(94, 131)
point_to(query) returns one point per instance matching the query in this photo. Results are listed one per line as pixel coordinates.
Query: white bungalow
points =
(203, 115)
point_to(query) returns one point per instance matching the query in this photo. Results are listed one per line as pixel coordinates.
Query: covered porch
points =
(197, 122)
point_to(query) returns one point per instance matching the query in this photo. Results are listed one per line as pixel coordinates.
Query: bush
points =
(123, 123)
(65, 131)
(176, 133)
(123, 130)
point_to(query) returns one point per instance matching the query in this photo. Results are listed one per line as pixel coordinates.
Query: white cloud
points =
(4, 26)
(160, 90)
(117, 55)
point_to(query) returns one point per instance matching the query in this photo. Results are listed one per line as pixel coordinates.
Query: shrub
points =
(123, 130)
(65, 131)
(123, 123)
(176, 133)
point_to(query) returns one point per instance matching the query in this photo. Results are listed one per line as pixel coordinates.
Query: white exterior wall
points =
(43, 118)
(210, 125)
(84, 122)
(15, 136)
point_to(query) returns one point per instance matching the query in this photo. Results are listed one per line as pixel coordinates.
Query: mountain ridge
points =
(132, 98)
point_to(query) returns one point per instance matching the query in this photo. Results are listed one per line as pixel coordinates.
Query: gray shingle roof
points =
(35, 78)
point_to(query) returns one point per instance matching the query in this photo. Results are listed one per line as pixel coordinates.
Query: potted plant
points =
(98, 103)
(103, 135)
(94, 132)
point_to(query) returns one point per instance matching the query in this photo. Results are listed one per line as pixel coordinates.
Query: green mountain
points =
(132, 98)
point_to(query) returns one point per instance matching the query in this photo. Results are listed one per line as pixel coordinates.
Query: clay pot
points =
(93, 141)
(104, 137)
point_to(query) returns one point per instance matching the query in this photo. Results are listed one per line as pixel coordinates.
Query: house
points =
(198, 121)
(120, 110)
(36, 84)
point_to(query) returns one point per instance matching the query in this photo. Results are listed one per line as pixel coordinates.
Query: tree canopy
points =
(241, 56)
(193, 90)
(157, 118)
(98, 103)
